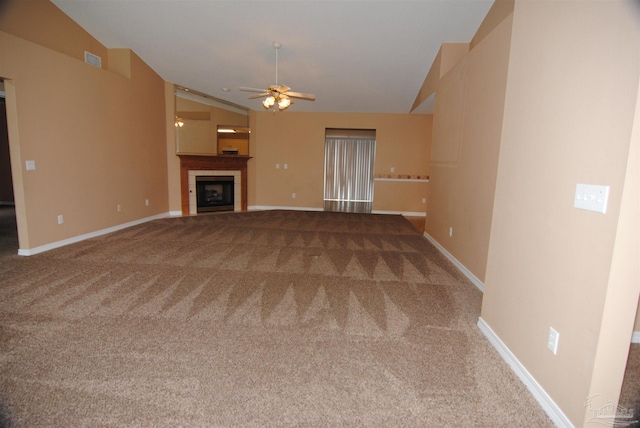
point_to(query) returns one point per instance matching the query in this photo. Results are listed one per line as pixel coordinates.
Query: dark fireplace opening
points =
(214, 193)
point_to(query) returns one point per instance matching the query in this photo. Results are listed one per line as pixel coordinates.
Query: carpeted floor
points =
(630, 392)
(271, 318)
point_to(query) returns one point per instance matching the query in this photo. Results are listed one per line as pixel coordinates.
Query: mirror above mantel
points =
(233, 140)
(200, 117)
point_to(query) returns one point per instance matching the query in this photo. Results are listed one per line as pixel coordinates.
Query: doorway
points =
(8, 228)
(349, 159)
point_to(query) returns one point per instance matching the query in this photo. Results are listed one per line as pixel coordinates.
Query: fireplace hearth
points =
(214, 193)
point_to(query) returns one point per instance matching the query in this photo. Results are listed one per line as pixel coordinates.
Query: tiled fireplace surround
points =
(192, 166)
(237, 183)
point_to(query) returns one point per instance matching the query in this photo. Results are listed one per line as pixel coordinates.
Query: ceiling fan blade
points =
(309, 97)
(263, 94)
(244, 88)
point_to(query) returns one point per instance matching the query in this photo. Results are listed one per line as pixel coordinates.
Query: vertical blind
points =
(348, 169)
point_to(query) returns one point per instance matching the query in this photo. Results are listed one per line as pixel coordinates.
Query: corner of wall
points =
(498, 12)
(430, 83)
(120, 62)
(452, 54)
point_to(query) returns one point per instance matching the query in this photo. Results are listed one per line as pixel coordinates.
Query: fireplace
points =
(192, 166)
(214, 193)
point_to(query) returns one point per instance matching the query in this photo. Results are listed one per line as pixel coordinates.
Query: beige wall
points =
(569, 109)
(519, 112)
(624, 279)
(297, 139)
(97, 137)
(466, 141)
(41, 22)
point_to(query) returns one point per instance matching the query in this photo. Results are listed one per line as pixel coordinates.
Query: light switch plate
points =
(30, 165)
(552, 340)
(591, 197)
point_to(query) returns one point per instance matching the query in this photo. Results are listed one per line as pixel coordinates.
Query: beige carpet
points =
(630, 392)
(251, 319)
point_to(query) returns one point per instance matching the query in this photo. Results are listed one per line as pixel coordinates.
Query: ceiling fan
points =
(277, 94)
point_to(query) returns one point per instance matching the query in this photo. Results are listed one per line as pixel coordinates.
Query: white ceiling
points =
(354, 55)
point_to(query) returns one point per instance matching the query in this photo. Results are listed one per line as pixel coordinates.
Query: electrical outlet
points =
(286, 166)
(424, 200)
(60, 219)
(277, 166)
(30, 165)
(146, 202)
(119, 208)
(552, 340)
(450, 232)
(393, 169)
(293, 196)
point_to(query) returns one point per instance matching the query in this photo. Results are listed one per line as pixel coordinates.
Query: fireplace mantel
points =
(208, 163)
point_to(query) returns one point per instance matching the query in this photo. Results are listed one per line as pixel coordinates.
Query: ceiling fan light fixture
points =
(269, 102)
(283, 103)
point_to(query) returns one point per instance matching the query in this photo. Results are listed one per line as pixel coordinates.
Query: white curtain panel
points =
(348, 169)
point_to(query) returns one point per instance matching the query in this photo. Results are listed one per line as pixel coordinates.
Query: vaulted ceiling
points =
(354, 55)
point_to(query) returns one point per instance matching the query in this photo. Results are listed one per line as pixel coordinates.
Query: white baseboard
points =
(635, 337)
(175, 213)
(47, 247)
(404, 213)
(541, 396)
(273, 207)
(466, 272)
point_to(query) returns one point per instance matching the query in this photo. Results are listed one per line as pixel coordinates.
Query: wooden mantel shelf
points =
(204, 162)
